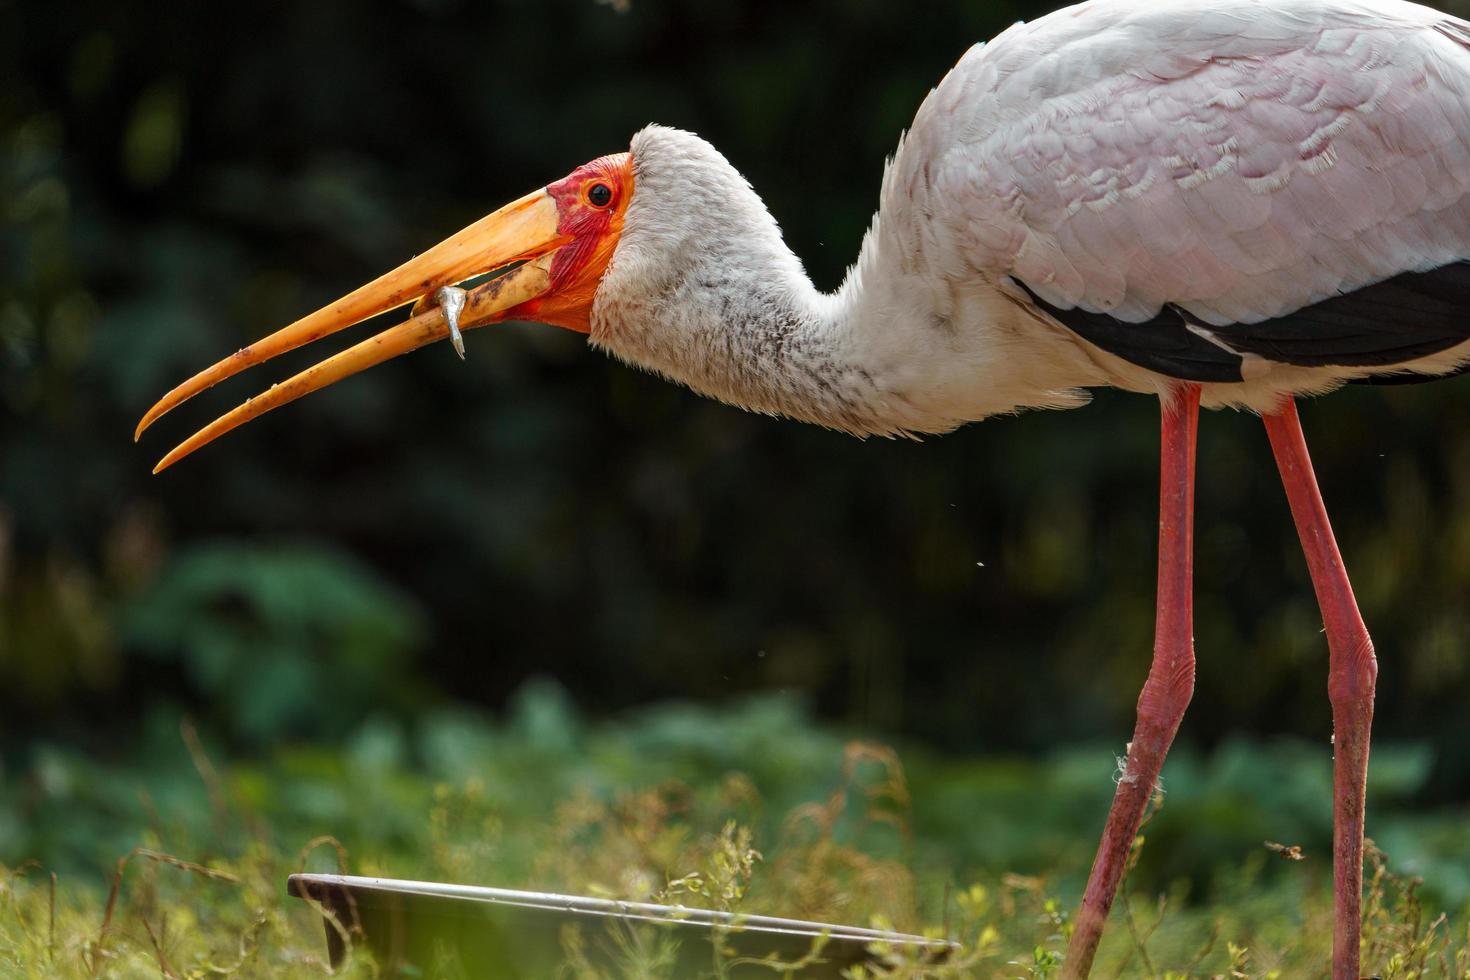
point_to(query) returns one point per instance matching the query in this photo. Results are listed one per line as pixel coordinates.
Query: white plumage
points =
(1237, 160)
(1218, 202)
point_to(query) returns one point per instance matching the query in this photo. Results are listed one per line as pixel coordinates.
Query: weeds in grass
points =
(713, 841)
(1396, 934)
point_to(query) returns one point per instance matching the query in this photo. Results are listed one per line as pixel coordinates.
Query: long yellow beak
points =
(524, 230)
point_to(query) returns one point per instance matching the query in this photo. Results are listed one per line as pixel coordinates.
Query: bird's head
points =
(563, 236)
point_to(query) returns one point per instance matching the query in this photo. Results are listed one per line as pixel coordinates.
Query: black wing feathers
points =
(1164, 344)
(1412, 315)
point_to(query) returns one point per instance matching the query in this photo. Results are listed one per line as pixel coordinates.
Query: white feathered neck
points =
(703, 290)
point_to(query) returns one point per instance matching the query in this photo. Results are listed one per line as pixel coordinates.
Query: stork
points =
(1218, 203)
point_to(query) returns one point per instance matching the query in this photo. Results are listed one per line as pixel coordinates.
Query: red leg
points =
(1170, 682)
(1352, 673)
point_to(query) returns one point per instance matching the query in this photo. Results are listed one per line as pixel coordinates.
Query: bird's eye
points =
(599, 195)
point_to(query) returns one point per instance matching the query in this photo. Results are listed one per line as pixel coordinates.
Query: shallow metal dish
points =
(426, 928)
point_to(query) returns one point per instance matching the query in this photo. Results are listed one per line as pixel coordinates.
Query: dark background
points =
(178, 178)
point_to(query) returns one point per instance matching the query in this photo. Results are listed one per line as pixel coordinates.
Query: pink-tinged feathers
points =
(1240, 159)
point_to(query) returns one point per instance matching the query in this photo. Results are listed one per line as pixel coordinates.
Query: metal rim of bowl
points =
(339, 892)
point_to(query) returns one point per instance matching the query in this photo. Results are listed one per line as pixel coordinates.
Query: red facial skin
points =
(578, 267)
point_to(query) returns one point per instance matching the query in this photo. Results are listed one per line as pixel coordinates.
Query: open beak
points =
(523, 231)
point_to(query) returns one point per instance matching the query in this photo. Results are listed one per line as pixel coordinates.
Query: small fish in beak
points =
(556, 243)
(451, 301)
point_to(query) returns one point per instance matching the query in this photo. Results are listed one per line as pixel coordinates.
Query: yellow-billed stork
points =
(1217, 202)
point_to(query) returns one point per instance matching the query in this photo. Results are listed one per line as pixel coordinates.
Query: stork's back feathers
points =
(1195, 168)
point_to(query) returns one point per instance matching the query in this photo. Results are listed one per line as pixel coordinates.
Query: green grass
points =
(172, 864)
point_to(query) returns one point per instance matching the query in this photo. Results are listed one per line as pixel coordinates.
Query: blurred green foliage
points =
(266, 633)
(325, 587)
(668, 803)
(176, 185)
